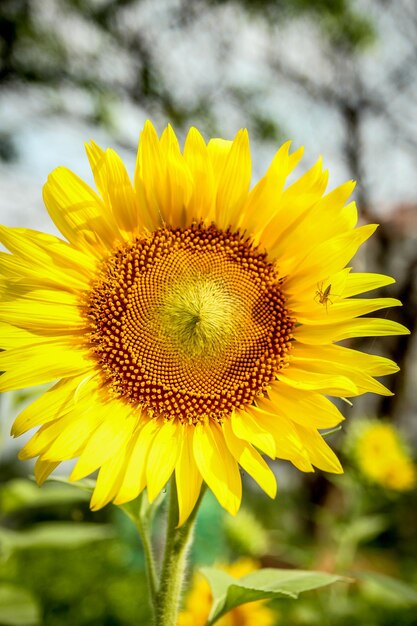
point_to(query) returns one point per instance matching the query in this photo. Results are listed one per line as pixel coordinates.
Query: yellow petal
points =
(42, 316)
(287, 442)
(304, 407)
(97, 159)
(48, 296)
(333, 203)
(109, 479)
(202, 201)
(13, 268)
(57, 252)
(178, 181)
(358, 327)
(43, 469)
(328, 383)
(358, 282)
(37, 247)
(245, 426)
(162, 458)
(263, 200)
(309, 187)
(324, 293)
(134, 479)
(304, 234)
(123, 200)
(320, 453)
(234, 182)
(187, 476)
(332, 311)
(250, 460)
(51, 405)
(45, 258)
(14, 337)
(82, 411)
(372, 364)
(18, 290)
(295, 202)
(73, 436)
(218, 150)
(46, 435)
(129, 207)
(40, 363)
(359, 378)
(327, 258)
(163, 174)
(79, 213)
(150, 175)
(217, 466)
(116, 427)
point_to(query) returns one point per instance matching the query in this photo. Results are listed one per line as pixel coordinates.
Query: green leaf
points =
(54, 534)
(22, 493)
(85, 484)
(263, 584)
(18, 607)
(364, 529)
(220, 583)
(386, 590)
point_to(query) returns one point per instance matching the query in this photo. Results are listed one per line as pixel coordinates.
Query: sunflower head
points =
(382, 457)
(192, 323)
(189, 323)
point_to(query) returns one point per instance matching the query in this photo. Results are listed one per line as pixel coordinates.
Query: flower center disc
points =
(189, 323)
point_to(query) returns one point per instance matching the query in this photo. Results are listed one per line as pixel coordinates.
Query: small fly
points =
(323, 296)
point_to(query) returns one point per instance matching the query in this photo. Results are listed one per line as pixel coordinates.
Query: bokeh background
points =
(340, 78)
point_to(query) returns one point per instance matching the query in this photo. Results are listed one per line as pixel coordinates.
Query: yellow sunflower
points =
(382, 457)
(191, 322)
(199, 601)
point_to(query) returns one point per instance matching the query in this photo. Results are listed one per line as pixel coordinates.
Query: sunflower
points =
(192, 323)
(382, 457)
(200, 599)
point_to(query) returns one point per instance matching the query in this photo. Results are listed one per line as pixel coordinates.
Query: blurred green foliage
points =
(18, 607)
(69, 566)
(78, 568)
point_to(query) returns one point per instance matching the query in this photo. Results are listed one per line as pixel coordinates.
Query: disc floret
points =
(189, 323)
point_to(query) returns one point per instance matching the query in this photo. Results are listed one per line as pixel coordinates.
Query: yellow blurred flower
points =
(199, 600)
(382, 457)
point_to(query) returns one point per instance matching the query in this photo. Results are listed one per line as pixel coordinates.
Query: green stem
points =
(142, 517)
(144, 526)
(178, 541)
